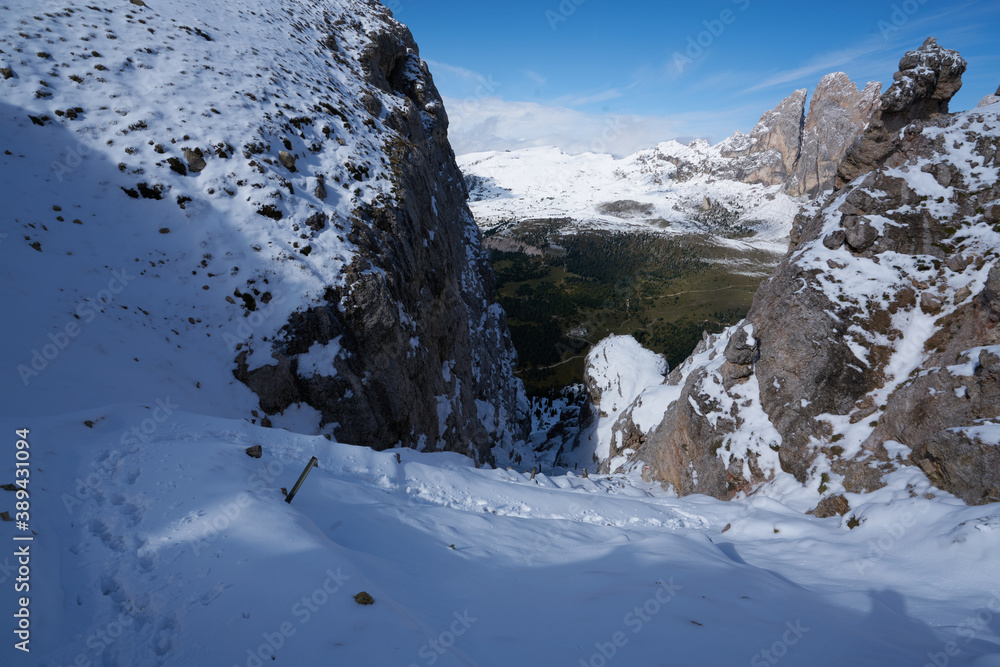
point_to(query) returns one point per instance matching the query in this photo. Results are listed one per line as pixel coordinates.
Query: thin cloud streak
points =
(825, 64)
(495, 124)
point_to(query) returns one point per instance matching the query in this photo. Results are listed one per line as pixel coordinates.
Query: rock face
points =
(768, 154)
(299, 223)
(875, 344)
(803, 151)
(421, 350)
(924, 85)
(988, 100)
(772, 148)
(838, 114)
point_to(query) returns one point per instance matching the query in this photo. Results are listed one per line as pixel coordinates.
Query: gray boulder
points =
(287, 160)
(195, 159)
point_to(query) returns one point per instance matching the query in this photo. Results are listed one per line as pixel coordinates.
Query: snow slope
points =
(167, 274)
(173, 547)
(671, 184)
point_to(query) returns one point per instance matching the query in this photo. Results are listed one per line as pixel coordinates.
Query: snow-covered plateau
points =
(648, 191)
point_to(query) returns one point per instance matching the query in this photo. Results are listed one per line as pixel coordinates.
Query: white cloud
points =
(604, 96)
(536, 78)
(823, 64)
(459, 72)
(495, 124)
(492, 123)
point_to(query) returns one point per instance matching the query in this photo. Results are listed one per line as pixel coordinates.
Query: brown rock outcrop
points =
(838, 114)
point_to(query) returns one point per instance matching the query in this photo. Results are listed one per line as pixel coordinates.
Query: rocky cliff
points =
(769, 153)
(423, 356)
(801, 150)
(276, 180)
(874, 346)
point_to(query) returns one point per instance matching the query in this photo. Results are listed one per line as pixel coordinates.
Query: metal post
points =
(313, 462)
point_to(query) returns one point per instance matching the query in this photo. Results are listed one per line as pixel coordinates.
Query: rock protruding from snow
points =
(875, 344)
(772, 148)
(988, 100)
(419, 298)
(926, 81)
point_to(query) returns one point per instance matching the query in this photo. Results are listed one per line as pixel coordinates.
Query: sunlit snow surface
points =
(541, 183)
(149, 85)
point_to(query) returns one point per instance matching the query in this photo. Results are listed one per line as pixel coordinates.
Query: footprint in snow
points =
(211, 596)
(148, 561)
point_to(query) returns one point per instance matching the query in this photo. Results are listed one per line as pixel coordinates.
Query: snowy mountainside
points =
(745, 182)
(260, 187)
(646, 191)
(871, 353)
(159, 540)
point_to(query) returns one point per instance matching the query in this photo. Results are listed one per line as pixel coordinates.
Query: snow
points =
(971, 357)
(541, 183)
(180, 550)
(318, 360)
(149, 277)
(620, 369)
(986, 431)
(158, 541)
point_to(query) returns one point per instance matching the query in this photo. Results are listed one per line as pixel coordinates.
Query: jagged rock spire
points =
(926, 81)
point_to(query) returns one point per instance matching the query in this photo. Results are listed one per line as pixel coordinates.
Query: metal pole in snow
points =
(313, 462)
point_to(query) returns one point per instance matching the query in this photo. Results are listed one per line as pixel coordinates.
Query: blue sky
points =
(616, 77)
